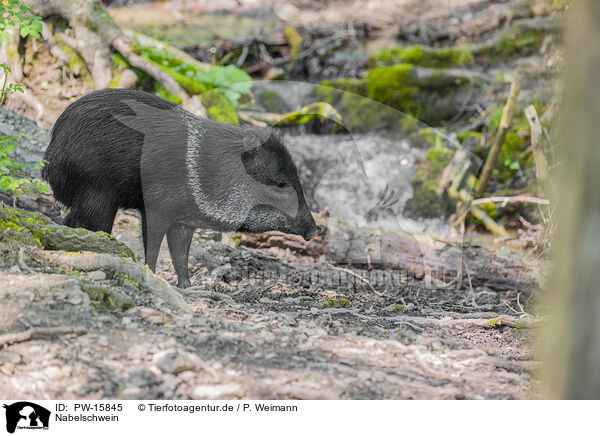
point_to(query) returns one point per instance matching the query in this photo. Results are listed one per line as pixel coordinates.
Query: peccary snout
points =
(312, 233)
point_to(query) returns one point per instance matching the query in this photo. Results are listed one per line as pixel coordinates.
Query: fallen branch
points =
(541, 164)
(159, 75)
(514, 199)
(490, 162)
(362, 279)
(38, 333)
(450, 181)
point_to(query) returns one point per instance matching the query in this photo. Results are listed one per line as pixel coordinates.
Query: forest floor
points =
(268, 324)
(260, 329)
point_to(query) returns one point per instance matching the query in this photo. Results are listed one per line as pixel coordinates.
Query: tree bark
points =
(574, 329)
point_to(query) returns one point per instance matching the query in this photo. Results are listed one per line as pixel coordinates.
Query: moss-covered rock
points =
(273, 102)
(111, 298)
(423, 56)
(50, 236)
(425, 202)
(431, 95)
(393, 86)
(523, 38)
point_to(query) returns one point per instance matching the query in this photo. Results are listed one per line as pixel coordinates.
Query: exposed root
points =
(38, 333)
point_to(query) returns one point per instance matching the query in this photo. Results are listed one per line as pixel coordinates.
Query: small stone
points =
(213, 392)
(221, 271)
(363, 375)
(76, 296)
(141, 378)
(97, 275)
(174, 361)
(137, 351)
(9, 356)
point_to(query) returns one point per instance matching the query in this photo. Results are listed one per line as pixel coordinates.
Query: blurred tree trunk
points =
(574, 322)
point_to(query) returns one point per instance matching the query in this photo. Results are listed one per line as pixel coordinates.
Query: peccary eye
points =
(280, 184)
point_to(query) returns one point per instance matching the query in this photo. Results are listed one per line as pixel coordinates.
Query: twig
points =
(541, 164)
(362, 279)
(38, 333)
(490, 162)
(514, 199)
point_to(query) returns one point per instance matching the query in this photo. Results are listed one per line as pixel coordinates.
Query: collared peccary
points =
(123, 148)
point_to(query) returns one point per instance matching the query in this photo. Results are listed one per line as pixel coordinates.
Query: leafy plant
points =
(14, 177)
(15, 13)
(233, 82)
(7, 88)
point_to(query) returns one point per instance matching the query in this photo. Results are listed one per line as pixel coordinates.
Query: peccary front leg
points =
(94, 211)
(179, 238)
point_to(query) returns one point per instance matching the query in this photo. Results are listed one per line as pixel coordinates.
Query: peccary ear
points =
(255, 137)
(251, 141)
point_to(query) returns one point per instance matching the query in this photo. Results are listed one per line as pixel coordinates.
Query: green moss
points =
(394, 87)
(161, 91)
(109, 297)
(273, 102)
(295, 42)
(52, 236)
(360, 113)
(468, 135)
(498, 323)
(338, 302)
(423, 56)
(75, 62)
(317, 110)
(396, 308)
(330, 90)
(219, 108)
(425, 202)
(126, 280)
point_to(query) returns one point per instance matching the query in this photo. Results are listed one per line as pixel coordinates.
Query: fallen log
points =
(434, 262)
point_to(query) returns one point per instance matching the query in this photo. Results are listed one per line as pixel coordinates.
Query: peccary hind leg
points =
(154, 227)
(179, 238)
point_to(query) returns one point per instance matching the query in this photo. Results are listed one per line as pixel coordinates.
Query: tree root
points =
(38, 333)
(97, 36)
(136, 273)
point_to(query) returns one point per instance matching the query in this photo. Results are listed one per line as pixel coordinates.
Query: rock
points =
(52, 236)
(152, 315)
(213, 392)
(174, 361)
(9, 357)
(32, 146)
(137, 351)
(76, 297)
(141, 378)
(221, 271)
(96, 275)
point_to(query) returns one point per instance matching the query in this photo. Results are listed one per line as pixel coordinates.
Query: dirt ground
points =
(261, 330)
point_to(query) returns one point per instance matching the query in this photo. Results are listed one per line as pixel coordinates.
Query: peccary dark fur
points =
(118, 148)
